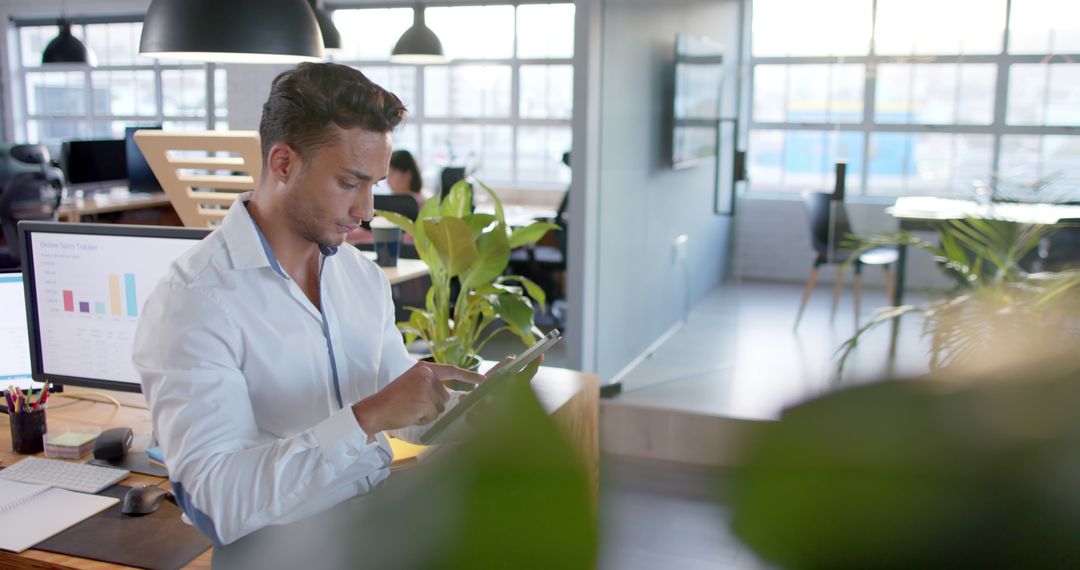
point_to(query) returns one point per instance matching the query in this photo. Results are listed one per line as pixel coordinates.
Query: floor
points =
(655, 515)
(738, 356)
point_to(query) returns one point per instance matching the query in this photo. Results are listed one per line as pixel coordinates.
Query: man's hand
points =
(416, 397)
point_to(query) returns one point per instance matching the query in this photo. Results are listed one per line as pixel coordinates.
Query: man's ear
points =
(282, 161)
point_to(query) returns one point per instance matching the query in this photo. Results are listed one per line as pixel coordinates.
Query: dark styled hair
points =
(403, 160)
(306, 100)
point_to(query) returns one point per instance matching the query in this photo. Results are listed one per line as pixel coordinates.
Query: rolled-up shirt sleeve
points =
(229, 478)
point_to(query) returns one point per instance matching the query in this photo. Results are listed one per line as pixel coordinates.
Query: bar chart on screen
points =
(90, 299)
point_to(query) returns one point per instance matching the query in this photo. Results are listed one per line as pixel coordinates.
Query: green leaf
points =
(479, 222)
(454, 242)
(531, 233)
(398, 220)
(421, 242)
(493, 254)
(534, 290)
(458, 201)
(499, 212)
(515, 310)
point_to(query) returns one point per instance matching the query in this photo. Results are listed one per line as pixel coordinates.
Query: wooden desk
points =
(405, 270)
(104, 202)
(921, 213)
(519, 216)
(571, 397)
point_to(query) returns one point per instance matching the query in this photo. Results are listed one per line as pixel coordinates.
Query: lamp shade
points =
(236, 31)
(66, 48)
(331, 38)
(418, 44)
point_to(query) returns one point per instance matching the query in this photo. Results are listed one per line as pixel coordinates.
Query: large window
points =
(938, 97)
(503, 104)
(60, 102)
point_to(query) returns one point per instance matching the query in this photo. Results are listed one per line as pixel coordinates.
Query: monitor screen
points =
(139, 174)
(90, 162)
(87, 284)
(14, 339)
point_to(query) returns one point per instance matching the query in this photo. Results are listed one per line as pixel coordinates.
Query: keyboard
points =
(80, 477)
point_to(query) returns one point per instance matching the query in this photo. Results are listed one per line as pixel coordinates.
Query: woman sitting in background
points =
(403, 178)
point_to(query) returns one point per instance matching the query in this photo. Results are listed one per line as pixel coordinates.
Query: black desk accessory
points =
(113, 444)
(135, 459)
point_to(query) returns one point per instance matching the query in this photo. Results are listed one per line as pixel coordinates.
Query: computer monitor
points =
(14, 338)
(139, 174)
(85, 288)
(95, 163)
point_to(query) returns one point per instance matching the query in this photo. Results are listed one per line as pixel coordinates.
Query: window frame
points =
(418, 117)
(20, 102)
(998, 128)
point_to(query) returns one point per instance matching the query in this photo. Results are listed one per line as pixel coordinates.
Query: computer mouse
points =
(143, 500)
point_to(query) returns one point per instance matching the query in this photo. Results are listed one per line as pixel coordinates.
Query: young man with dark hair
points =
(269, 357)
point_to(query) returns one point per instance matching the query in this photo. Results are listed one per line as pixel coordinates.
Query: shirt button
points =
(351, 453)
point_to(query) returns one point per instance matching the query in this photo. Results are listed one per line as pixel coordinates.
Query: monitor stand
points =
(136, 459)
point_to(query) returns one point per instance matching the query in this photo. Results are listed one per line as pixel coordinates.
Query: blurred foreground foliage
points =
(944, 471)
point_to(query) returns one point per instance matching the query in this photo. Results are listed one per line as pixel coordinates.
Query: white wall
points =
(642, 288)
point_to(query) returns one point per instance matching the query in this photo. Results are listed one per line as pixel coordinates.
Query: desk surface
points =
(571, 397)
(926, 208)
(104, 201)
(519, 216)
(405, 269)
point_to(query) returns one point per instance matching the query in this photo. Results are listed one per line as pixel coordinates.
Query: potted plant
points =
(470, 300)
(998, 310)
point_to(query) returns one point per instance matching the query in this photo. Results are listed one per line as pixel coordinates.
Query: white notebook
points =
(31, 513)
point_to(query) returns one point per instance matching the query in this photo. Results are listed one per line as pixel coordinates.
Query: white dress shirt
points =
(250, 385)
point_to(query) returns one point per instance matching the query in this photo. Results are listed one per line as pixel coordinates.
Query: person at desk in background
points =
(268, 355)
(403, 178)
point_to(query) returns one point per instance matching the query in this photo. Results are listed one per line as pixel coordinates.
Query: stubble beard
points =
(305, 217)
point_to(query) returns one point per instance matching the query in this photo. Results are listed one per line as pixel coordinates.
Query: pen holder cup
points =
(28, 431)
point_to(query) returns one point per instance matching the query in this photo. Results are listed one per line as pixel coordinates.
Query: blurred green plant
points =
(997, 308)
(944, 471)
(470, 251)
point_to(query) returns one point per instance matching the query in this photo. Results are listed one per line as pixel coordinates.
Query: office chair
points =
(542, 263)
(398, 203)
(827, 236)
(33, 195)
(1060, 251)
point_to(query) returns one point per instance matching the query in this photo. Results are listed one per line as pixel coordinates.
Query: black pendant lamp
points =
(66, 48)
(331, 38)
(236, 31)
(418, 44)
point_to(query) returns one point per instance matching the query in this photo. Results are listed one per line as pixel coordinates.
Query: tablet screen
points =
(495, 377)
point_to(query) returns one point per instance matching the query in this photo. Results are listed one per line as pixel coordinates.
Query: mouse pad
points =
(159, 540)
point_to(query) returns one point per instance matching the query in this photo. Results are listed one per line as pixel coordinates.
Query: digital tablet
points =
(495, 377)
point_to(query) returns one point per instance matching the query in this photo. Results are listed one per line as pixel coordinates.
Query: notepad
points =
(31, 513)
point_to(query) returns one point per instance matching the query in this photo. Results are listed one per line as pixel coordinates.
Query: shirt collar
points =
(246, 242)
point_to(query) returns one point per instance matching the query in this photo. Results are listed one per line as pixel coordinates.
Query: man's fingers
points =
(444, 372)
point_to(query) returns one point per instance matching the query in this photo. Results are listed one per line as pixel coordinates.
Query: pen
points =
(45, 395)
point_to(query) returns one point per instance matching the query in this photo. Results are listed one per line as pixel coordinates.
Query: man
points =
(268, 356)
